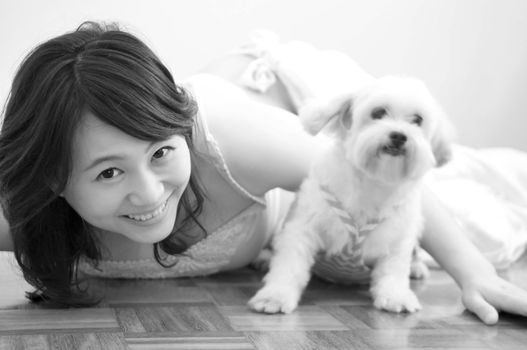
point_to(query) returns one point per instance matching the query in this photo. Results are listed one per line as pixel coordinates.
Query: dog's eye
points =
(378, 113)
(417, 119)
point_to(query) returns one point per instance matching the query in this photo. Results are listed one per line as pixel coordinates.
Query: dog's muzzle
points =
(395, 147)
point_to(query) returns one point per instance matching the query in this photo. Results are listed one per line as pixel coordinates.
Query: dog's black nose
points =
(397, 138)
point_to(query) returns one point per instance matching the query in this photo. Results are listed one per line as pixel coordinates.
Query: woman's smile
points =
(149, 216)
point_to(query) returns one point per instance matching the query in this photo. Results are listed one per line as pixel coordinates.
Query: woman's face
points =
(126, 185)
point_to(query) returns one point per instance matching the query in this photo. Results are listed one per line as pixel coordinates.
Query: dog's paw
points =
(397, 300)
(273, 299)
(419, 270)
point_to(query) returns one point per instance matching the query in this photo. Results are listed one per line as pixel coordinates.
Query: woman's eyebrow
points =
(114, 157)
(103, 159)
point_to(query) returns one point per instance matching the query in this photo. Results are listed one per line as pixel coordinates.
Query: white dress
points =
(486, 190)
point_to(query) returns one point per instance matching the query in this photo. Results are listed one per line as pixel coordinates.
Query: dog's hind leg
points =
(262, 261)
(418, 268)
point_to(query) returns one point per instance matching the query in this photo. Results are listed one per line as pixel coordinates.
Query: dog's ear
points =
(442, 140)
(316, 114)
(442, 151)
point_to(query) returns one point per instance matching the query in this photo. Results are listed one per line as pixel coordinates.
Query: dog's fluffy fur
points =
(385, 137)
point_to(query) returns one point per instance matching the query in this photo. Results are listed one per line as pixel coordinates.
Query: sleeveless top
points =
(219, 250)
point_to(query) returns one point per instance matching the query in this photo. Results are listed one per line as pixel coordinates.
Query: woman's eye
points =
(109, 174)
(162, 152)
(417, 119)
(379, 113)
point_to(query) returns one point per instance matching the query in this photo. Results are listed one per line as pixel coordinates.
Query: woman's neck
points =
(118, 247)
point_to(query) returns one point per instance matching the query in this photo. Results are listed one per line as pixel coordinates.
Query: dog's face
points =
(394, 130)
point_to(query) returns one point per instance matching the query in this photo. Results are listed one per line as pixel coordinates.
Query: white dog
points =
(359, 211)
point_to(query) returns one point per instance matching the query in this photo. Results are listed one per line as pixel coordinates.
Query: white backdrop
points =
(471, 53)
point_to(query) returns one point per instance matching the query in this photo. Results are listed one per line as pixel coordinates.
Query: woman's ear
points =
(316, 114)
(55, 188)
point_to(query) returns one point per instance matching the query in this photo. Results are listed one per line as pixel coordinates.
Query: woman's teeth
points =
(145, 217)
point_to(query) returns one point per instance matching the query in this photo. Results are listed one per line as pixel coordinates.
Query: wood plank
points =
(293, 340)
(36, 341)
(57, 320)
(123, 292)
(304, 318)
(409, 338)
(230, 295)
(182, 318)
(64, 341)
(203, 340)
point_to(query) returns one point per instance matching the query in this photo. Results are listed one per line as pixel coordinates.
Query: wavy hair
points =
(119, 79)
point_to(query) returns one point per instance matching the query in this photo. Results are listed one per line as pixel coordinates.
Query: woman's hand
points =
(485, 295)
(483, 291)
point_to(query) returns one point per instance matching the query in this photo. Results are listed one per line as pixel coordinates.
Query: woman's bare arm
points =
(264, 145)
(5, 239)
(483, 291)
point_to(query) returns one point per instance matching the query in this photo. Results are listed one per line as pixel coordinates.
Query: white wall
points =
(471, 53)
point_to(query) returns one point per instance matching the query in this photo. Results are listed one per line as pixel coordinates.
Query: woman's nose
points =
(146, 189)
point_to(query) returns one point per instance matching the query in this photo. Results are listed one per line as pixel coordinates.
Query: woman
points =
(109, 168)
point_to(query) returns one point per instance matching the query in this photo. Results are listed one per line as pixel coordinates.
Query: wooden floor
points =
(211, 313)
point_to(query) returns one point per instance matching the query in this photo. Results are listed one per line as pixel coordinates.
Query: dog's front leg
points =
(390, 284)
(289, 271)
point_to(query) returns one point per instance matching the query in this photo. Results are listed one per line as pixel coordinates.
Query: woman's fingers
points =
(510, 298)
(475, 302)
(501, 295)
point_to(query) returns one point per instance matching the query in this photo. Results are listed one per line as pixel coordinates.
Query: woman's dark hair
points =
(111, 73)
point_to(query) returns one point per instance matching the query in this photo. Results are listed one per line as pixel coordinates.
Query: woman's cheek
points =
(94, 202)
